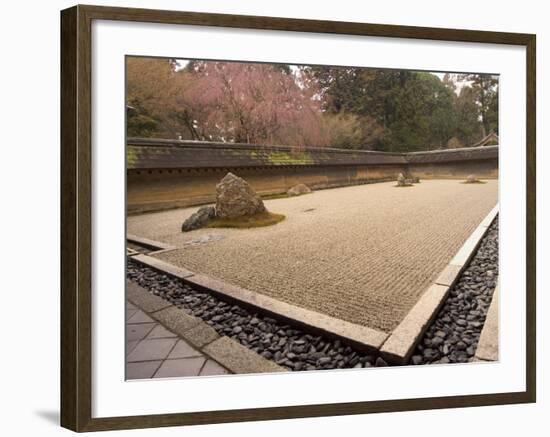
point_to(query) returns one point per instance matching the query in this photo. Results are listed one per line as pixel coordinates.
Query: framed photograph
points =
(268, 218)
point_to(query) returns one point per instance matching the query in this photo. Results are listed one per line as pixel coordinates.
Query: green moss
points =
(131, 157)
(301, 158)
(255, 221)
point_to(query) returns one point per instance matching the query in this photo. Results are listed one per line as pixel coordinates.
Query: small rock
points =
(299, 189)
(460, 346)
(198, 219)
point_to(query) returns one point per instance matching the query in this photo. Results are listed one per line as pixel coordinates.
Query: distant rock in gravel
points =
(198, 219)
(236, 198)
(299, 189)
(471, 179)
(402, 182)
(400, 179)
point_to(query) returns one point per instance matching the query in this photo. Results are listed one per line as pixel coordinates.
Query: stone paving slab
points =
(182, 349)
(240, 359)
(143, 370)
(487, 348)
(183, 366)
(138, 331)
(364, 254)
(201, 334)
(147, 302)
(212, 368)
(449, 275)
(176, 320)
(400, 345)
(160, 331)
(139, 317)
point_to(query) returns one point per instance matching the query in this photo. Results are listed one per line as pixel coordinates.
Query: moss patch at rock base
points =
(254, 221)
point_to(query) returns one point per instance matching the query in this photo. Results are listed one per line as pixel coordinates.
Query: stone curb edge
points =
(360, 337)
(227, 352)
(400, 344)
(487, 347)
(150, 244)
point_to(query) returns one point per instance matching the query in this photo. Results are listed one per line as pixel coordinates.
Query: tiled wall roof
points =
(172, 154)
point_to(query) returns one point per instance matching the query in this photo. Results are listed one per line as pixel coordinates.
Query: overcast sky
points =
(183, 62)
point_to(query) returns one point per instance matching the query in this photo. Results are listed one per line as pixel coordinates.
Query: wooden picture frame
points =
(76, 217)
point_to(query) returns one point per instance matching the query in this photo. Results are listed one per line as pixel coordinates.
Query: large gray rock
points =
(471, 179)
(299, 189)
(236, 198)
(198, 219)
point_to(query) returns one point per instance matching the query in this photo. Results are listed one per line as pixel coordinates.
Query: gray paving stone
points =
(449, 275)
(130, 312)
(212, 368)
(487, 349)
(153, 349)
(182, 349)
(180, 367)
(143, 370)
(140, 317)
(143, 299)
(201, 335)
(176, 320)
(239, 359)
(400, 344)
(130, 346)
(160, 331)
(138, 331)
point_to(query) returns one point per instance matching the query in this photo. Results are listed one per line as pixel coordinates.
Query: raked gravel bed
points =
(452, 337)
(364, 254)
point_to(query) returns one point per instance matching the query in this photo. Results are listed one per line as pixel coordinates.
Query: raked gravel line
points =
(364, 253)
